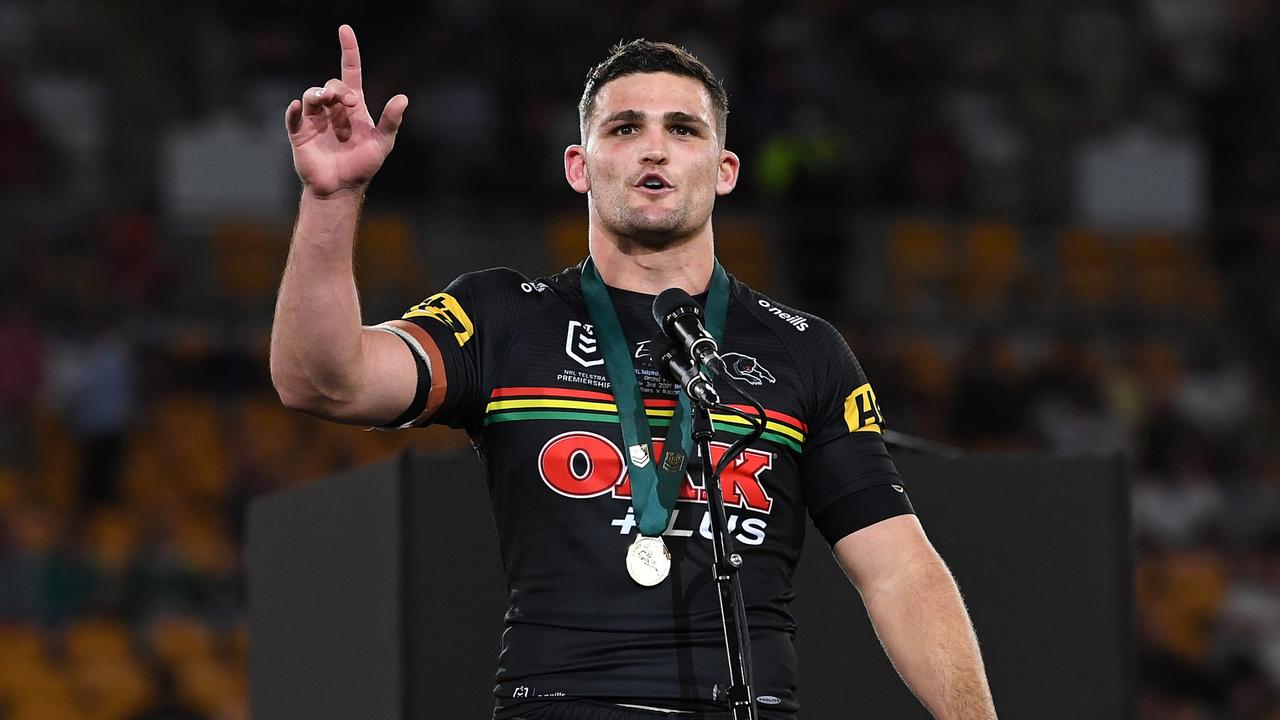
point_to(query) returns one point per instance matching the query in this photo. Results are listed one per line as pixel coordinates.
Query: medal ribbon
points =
(654, 482)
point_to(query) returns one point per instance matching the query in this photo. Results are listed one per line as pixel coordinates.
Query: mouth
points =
(652, 183)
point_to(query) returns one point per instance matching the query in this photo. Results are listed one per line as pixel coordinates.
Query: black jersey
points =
(526, 379)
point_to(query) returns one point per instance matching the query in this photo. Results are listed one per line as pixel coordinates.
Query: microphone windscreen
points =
(671, 300)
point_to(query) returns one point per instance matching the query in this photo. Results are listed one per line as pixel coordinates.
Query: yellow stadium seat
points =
(926, 367)
(20, 642)
(113, 688)
(1087, 265)
(1159, 365)
(204, 543)
(1205, 293)
(1184, 601)
(744, 249)
(51, 708)
(266, 433)
(566, 236)
(920, 248)
(34, 681)
(385, 258)
(994, 267)
(113, 534)
(36, 528)
(58, 474)
(193, 445)
(97, 638)
(177, 639)
(1160, 266)
(145, 473)
(210, 686)
(921, 262)
(248, 259)
(11, 488)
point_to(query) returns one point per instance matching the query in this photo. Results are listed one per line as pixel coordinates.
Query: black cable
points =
(757, 425)
(736, 449)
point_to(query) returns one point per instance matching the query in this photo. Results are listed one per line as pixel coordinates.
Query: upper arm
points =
(457, 334)
(879, 556)
(848, 477)
(389, 386)
(405, 364)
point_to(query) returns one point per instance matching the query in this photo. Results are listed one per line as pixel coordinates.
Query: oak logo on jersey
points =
(444, 308)
(580, 344)
(861, 411)
(747, 368)
(585, 465)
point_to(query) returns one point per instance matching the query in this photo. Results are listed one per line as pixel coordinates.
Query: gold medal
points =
(648, 560)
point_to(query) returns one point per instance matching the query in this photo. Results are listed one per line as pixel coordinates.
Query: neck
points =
(628, 265)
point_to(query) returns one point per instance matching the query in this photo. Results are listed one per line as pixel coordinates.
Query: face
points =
(651, 162)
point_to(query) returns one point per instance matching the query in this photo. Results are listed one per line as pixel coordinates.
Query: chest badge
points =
(746, 368)
(580, 344)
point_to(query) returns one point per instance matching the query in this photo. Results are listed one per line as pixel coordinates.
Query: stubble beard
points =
(654, 233)
(650, 230)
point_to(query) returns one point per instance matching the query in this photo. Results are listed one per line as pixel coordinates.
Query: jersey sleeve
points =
(848, 478)
(467, 324)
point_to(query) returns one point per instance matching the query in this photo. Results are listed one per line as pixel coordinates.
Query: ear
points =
(727, 178)
(575, 168)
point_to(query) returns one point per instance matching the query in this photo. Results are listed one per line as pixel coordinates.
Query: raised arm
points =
(323, 361)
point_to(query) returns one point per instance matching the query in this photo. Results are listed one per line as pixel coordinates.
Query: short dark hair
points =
(646, 56)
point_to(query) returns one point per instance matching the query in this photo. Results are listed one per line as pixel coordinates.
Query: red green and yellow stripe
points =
(540, 403)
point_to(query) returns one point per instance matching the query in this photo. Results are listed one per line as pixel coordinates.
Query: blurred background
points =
(1042, 226)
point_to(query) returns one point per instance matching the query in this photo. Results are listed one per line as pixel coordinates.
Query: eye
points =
(682, 130)
(625, 130)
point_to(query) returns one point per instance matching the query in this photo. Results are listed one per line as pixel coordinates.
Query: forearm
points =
(921, 620)
(316, 335)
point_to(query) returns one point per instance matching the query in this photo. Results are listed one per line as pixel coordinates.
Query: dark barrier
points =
(378, 593)
(326, 606)
(1042, 552)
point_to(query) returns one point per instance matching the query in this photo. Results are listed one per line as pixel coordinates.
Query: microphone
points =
(677, 366)
(680, 318)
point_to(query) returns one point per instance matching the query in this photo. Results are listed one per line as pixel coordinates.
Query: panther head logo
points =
(745, 367)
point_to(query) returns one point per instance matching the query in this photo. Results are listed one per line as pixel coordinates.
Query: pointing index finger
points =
(350, 58)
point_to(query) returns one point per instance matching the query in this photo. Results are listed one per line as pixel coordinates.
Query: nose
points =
(653, 153)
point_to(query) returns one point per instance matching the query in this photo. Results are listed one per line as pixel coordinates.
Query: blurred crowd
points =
(1042, 226)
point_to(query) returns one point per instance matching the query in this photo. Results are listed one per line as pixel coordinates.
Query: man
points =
(589, 634)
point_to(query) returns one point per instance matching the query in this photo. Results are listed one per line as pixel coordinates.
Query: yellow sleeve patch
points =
(444, 308)
(862, 412)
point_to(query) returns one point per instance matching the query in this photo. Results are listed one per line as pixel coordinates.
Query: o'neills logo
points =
(793, 319)
(585, 465)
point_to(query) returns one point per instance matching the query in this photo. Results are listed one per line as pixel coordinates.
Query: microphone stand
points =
(726, 563)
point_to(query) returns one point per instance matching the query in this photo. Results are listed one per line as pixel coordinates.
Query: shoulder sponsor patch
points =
(862, 412)
(444, 308)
